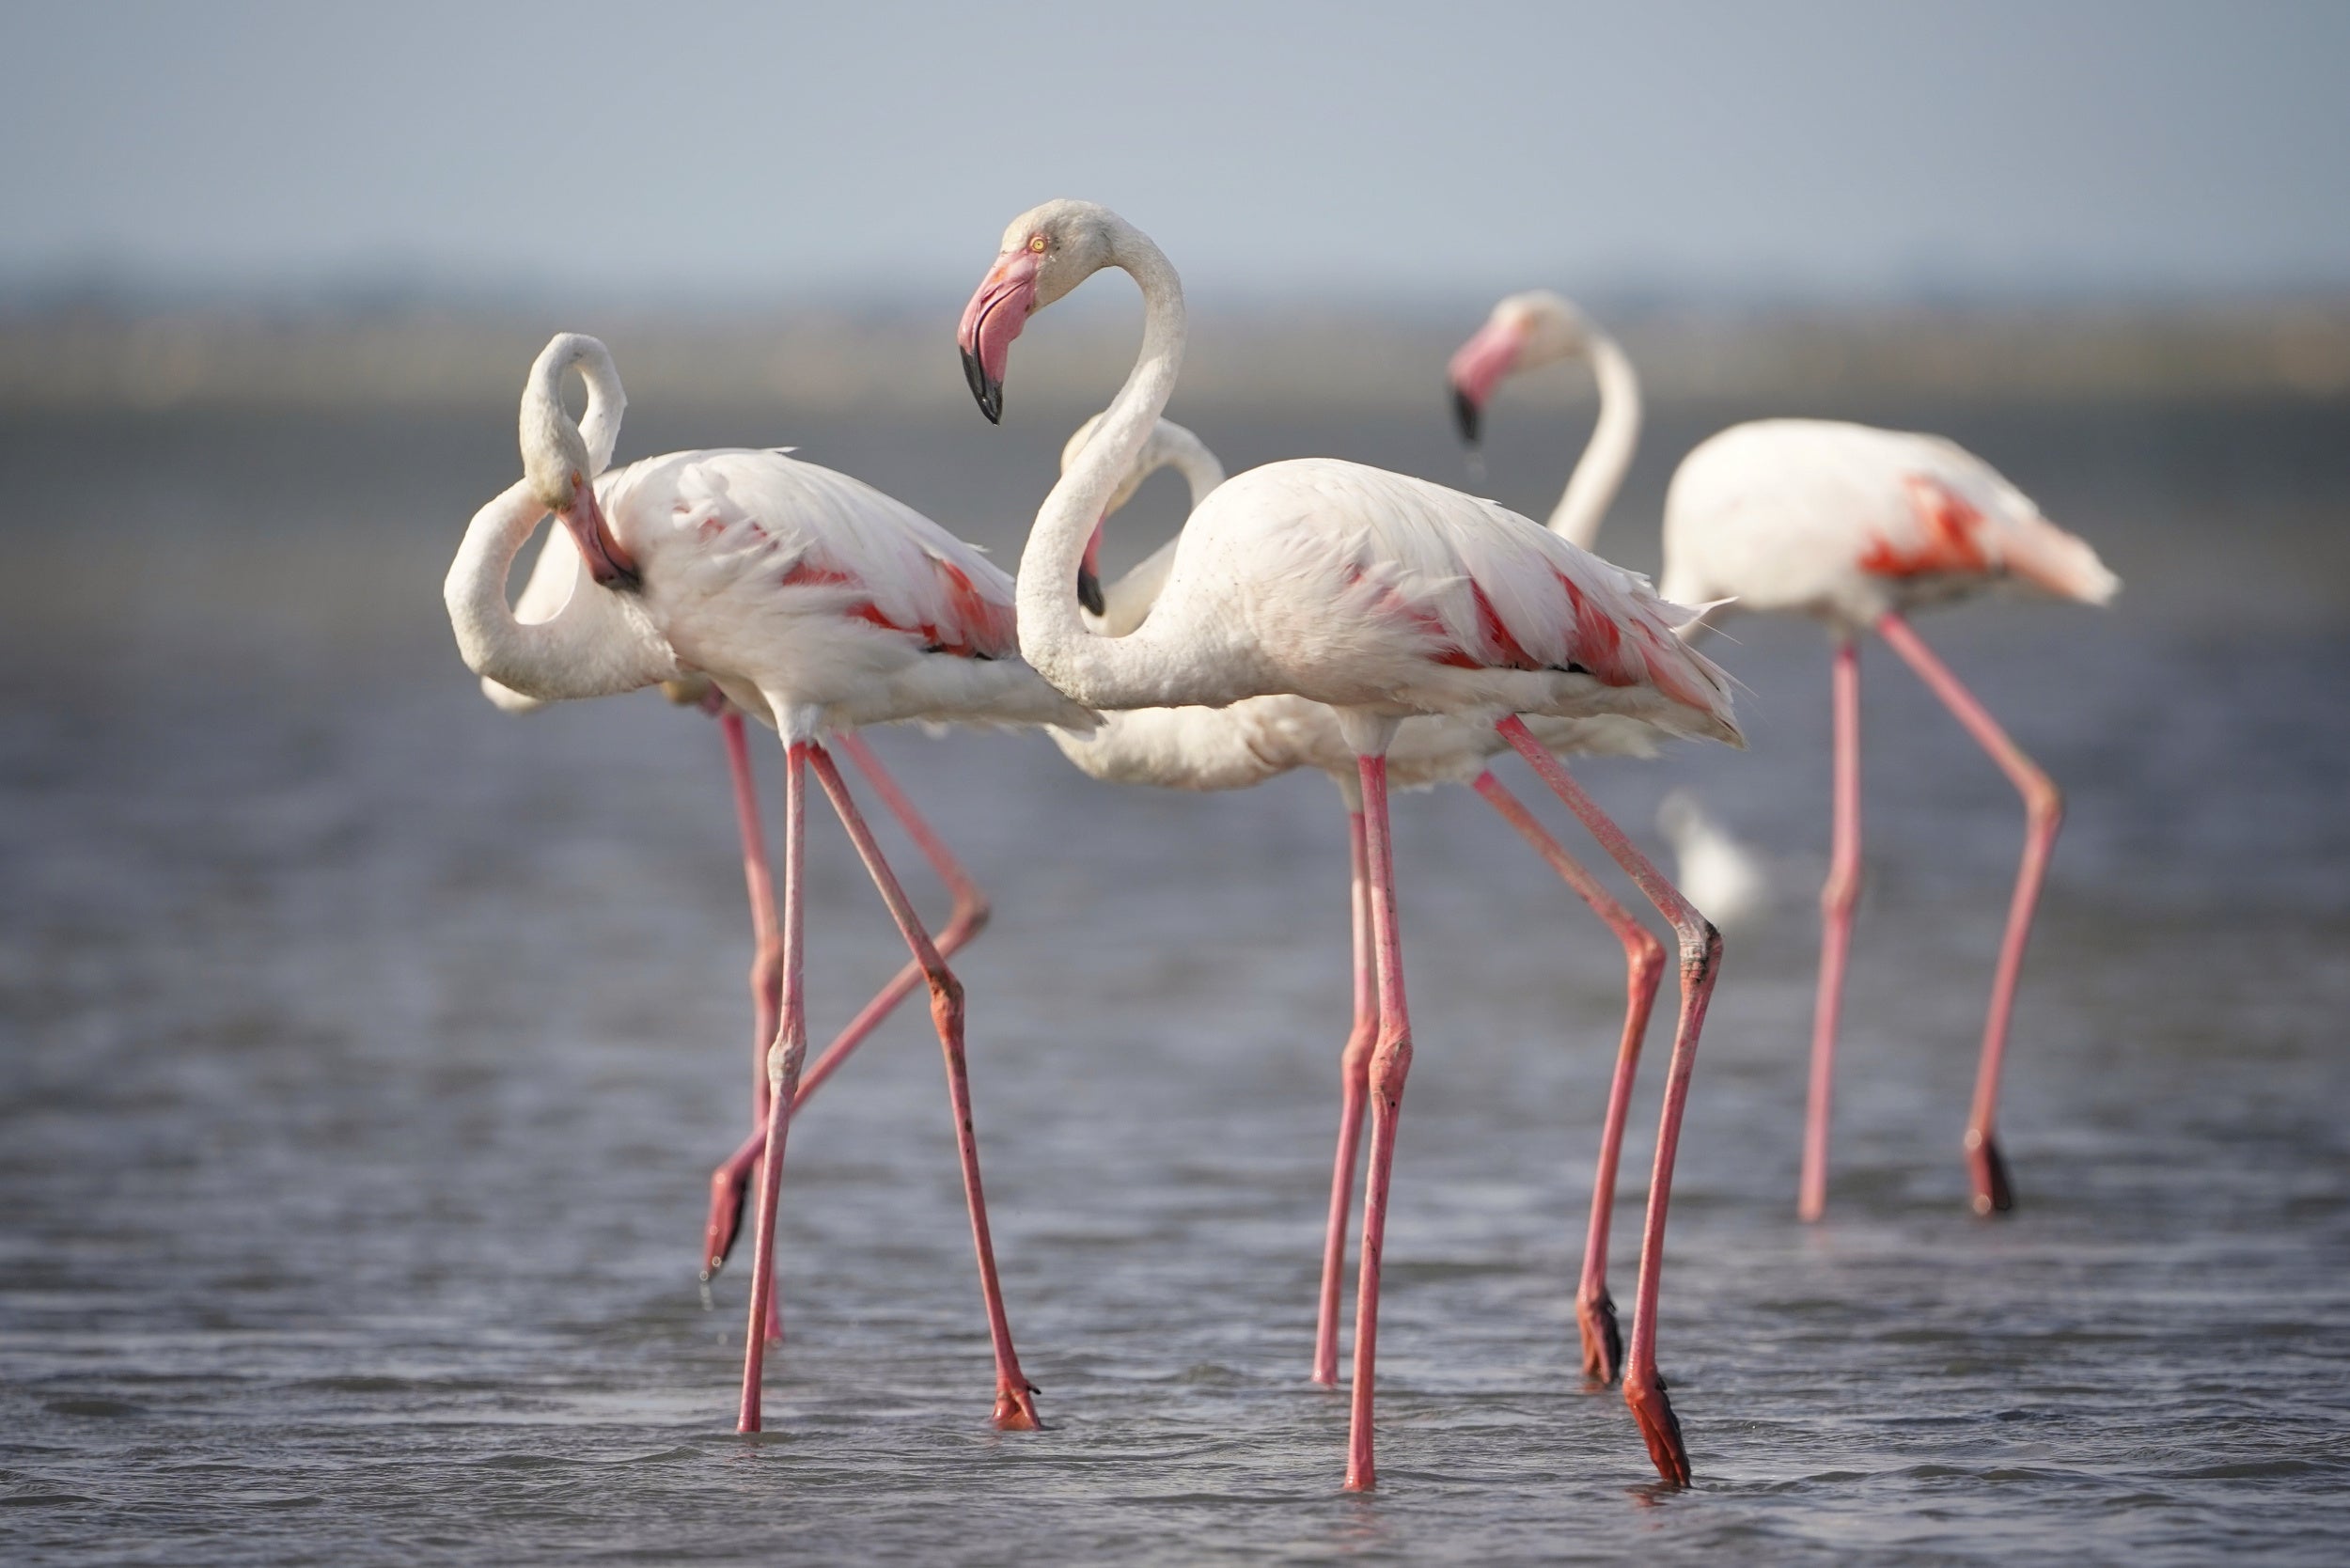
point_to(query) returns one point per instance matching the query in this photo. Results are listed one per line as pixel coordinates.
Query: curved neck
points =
(1126, 602)
(1598, 472)
(596, 644)
(600, 427)
(1103, 672)
(549, 432)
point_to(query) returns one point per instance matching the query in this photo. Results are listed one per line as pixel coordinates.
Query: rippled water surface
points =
(366, 1050)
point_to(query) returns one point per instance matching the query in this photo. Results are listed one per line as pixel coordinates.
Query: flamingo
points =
(1262, 737)
(1385, 598)
(815, 603)
(1853, 526)
(555, 576)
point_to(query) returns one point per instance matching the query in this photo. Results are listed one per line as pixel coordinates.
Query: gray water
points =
(367, 1051)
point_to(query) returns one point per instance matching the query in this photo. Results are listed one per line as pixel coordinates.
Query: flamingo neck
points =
(596, 644)
(1126, 602)
(1104, 672)
(1598, 472)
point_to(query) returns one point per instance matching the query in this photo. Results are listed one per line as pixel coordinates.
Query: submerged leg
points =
(1838, 896)
(1644, 965)
(1353, 1070)
(783, 1076)
(1391, 1064)
(1700, 962)
(1015, 1398)
(2044, 813)
(970, 917)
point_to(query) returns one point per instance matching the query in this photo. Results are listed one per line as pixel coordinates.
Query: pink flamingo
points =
(555, 576)
(815, 603)
(1852, 526)
(1262, 737)
(1385, 598)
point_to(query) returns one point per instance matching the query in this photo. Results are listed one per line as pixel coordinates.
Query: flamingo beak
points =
(990, 323)
(1089, 575)
(1480, 366)
(608, 563)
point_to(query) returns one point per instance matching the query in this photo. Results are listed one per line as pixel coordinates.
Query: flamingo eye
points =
(1036, 242)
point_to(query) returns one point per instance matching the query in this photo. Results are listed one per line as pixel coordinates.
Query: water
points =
(366, 1050)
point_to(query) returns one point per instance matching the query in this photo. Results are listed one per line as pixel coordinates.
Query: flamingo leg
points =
(731, 1180)
(1391, 1064)
(1354, 1079)
(1644, 966)
(1700, 963)
(1016, 1397)
(2044, 813)
(783, 1078)
(1838, 896)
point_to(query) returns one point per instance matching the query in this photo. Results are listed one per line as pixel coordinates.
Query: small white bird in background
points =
(815, 603)
(1383, 597)
(1722, 876)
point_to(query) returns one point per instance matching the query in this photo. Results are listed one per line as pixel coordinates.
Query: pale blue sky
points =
(1820, 148)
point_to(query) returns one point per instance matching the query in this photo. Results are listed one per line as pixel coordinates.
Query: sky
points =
(1804, 147)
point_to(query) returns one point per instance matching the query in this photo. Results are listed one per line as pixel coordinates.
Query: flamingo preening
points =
(554, 576)
(1262, 737)
(1385, 598)
(815, 603)
(1854, 526)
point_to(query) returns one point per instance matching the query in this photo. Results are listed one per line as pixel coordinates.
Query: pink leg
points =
(1836, 897)
(1353, 1070)
(1016, 1397)
(783, 1078)
(1700, 963)
(2044, 813)
(1644, 965)
(1391, 1064)
(729, 1182)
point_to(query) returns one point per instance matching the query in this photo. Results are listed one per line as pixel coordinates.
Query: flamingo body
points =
(1847, 522)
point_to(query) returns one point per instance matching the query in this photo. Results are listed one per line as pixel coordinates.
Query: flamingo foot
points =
(1659, 1426)
(727, 1188)
(1602, 1345)
(1016, 1408)
(1993, 1195)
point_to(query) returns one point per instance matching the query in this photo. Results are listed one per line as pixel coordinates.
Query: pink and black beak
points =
(1478, 368)
(1089, 575)
(990, 323)
(609, 562)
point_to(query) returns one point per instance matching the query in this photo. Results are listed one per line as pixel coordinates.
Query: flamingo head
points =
(558, 467)
(1523, 332)
(1046, 252)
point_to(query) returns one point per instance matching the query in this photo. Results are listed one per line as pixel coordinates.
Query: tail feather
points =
(2044, 554)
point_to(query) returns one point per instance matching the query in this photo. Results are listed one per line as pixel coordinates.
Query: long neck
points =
(600, 427)
(1104, 672)
(598, 644)
(1127, 602)
(1598, 472)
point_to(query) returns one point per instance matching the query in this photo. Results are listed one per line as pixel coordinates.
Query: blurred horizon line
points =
(888, 348)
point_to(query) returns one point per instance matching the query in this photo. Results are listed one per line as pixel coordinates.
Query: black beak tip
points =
(989, 392)
(1467, 415)
(1090, 591)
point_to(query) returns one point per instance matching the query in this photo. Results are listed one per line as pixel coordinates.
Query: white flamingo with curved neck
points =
(1853, 526)
(1262, 737)
(1385, 598)
(816, 603)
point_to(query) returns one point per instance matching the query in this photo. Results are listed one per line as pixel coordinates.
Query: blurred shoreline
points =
(256, 357)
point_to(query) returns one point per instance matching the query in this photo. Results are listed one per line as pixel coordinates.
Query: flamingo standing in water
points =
(554, 576)
(1262, 737)
(815, 603)
(1385, 598)
(1853, 526)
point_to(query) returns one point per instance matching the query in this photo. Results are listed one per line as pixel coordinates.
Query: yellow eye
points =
(1036, 242)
